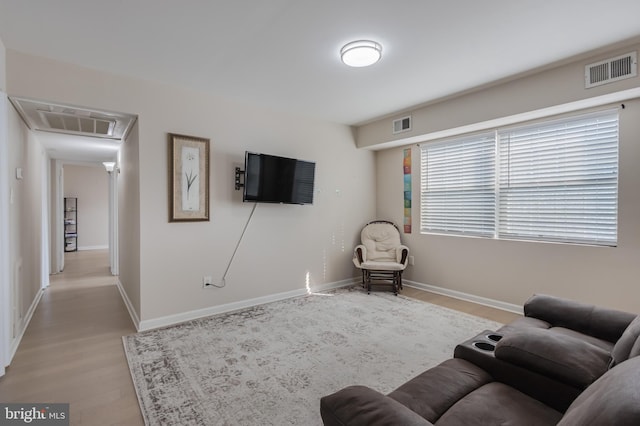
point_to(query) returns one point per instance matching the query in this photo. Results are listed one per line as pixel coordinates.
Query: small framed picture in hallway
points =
(189, 178)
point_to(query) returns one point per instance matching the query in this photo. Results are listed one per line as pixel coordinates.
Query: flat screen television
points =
(273, 179)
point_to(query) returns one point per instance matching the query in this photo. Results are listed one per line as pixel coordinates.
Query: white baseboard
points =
(509, 307)
(234, 306)
(27, 319)
(129, 305)
(84, 248)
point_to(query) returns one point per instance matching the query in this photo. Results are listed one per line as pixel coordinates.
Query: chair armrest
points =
(363, 406)
(563, 358)
(603, 323)
(359, 255)
(402, 255)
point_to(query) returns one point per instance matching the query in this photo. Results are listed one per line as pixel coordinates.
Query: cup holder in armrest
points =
(484, 346)
(494, 337)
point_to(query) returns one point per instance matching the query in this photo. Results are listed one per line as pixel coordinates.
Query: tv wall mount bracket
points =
(239, 179)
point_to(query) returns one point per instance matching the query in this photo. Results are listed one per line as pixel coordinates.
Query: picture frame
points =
(189, 178)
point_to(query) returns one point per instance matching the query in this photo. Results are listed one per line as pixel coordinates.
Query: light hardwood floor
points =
(461, 305)
(72, 350)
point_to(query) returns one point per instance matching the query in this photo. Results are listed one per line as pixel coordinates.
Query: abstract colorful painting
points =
(406, 166)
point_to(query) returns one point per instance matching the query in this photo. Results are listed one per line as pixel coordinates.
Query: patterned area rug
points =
(271, 364)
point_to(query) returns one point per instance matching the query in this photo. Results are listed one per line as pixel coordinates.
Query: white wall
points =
(546, 88)
(5, 275)
(129, 220)
(3, 69)
(56, 217)
(5, 306)
(90, 185)
(281, 245)
(511, 271)
(25, 221)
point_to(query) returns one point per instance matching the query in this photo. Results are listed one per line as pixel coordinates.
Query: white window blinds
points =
(457, 186)
(551, 181)
(558, 181)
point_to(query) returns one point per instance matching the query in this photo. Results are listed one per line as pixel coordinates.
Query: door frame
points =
(5, 274)
(113, 220)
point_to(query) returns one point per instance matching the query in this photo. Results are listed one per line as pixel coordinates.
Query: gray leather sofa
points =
(563, 363)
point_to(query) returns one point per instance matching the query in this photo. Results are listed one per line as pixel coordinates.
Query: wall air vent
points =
(610, 70)
(402, 124)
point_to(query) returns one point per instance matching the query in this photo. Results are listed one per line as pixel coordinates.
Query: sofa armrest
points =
(563, 358)
(363, 406)
(603, 323)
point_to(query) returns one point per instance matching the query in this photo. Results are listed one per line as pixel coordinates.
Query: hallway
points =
(72, 350)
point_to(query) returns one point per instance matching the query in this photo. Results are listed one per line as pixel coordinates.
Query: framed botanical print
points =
(189, 178)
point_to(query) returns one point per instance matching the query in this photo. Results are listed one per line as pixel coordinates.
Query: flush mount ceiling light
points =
(361, 53)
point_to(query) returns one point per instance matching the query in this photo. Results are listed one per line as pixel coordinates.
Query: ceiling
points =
(284, 54)
(79, 149)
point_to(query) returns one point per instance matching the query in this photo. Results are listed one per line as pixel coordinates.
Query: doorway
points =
(46, 152)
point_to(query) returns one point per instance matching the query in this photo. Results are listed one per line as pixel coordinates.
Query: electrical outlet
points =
(207, 281)
(412, 260)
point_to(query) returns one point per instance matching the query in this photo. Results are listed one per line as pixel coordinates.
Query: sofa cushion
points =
(603, 323)
(567, 359)
(498, 404)
(433, 392)
(362, 406)
(521, 323)
(541, 387)
(622, 349)
(601, 343)
(614, 399)
(635, 350)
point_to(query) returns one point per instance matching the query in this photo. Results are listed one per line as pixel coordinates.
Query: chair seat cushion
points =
(373, 265)
(498, 404)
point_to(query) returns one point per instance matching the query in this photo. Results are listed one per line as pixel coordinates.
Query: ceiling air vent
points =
(77, 123)
(610, 70)
(402, 124)
(72, 120)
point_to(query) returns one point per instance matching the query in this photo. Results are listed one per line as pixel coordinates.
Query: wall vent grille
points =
(610, 70)
(402, 124)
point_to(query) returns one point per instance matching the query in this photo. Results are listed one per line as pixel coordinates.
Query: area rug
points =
(271, 364)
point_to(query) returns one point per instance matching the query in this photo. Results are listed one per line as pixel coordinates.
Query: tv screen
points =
(273, 179)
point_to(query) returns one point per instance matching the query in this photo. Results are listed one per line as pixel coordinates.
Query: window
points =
(458, 186)
(552, 181)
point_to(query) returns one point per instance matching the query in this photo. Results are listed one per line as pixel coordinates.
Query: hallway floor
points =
(72, 349)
